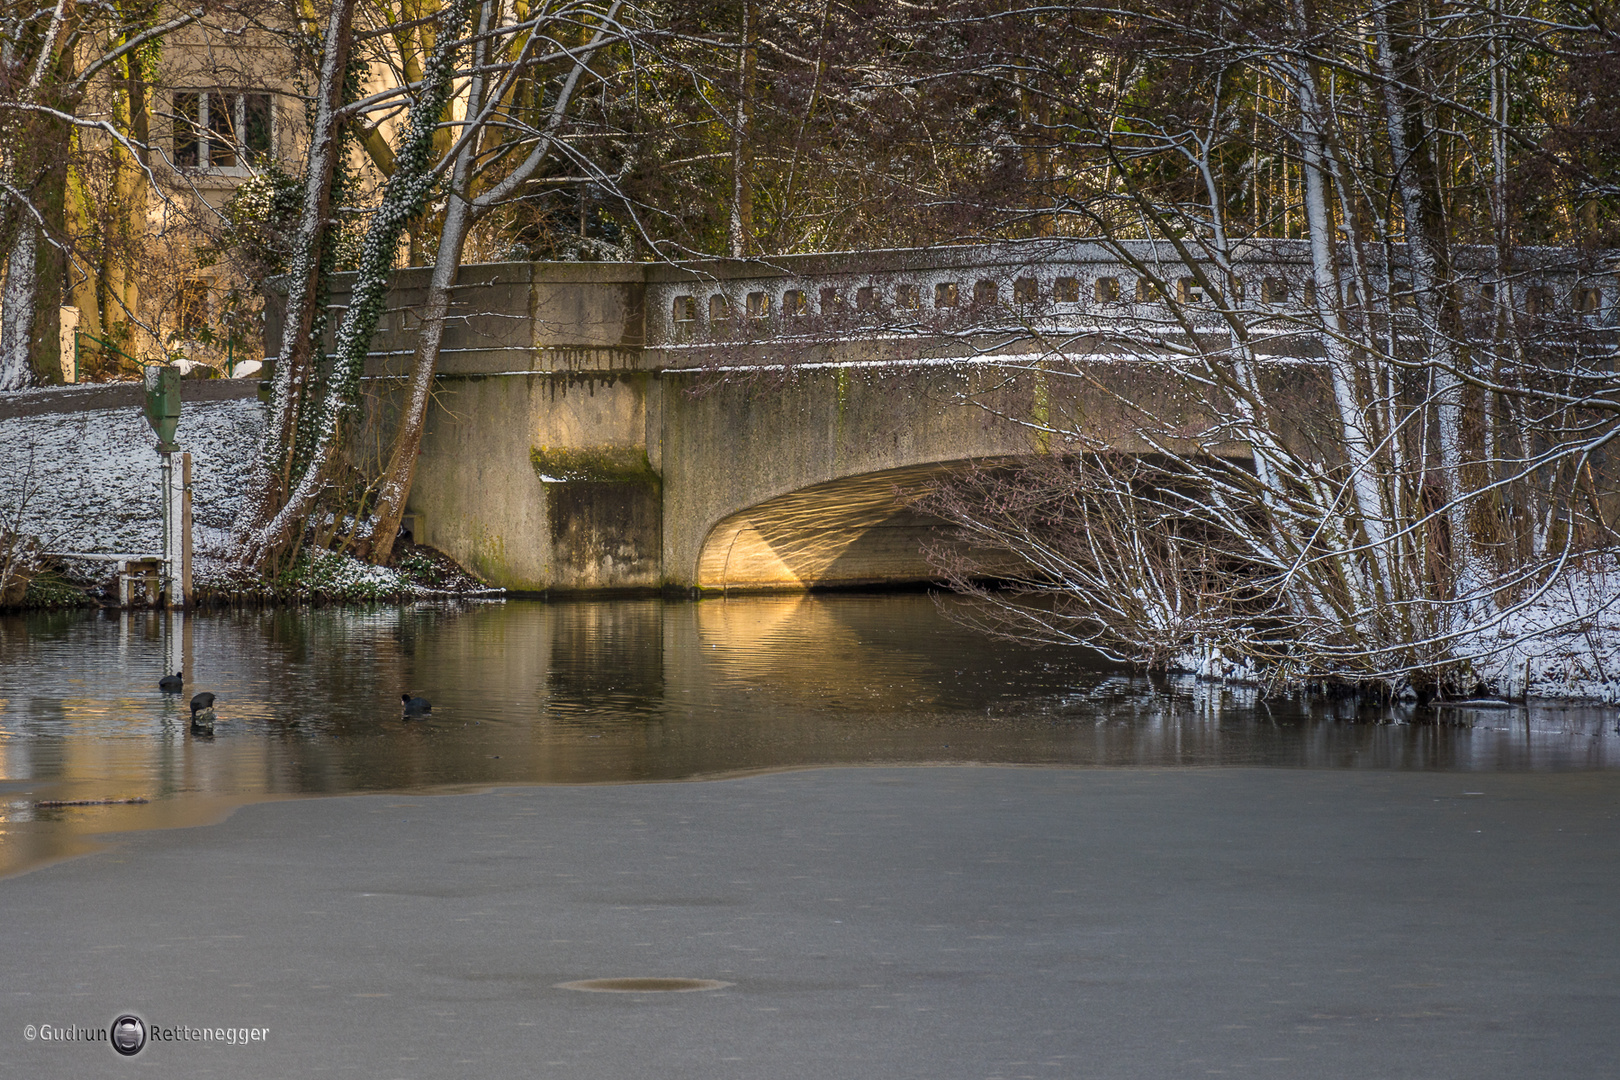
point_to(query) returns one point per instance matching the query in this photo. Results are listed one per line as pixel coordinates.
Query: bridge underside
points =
(849, 532)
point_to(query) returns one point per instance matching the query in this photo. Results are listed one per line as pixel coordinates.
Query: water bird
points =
(171, 684)
(202, 713)
(416, 706)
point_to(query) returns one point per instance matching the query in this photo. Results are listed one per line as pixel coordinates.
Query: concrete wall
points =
(688, 479)
(480, 496)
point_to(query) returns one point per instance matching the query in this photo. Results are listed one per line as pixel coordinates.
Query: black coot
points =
(171, 684)
(415, 706)
(202, 714)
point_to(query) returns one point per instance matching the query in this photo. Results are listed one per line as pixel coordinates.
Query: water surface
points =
(632, 690)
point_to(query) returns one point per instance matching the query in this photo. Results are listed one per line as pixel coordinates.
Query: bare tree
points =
(495, 149)
(1413, 531)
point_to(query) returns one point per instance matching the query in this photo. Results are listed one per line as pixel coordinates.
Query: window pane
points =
(185, 130)
(193, 305)
(256, 132)
(221, 131)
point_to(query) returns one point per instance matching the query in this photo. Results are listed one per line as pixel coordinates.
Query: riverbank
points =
(79, 473)
(868, 922)
(318, 577)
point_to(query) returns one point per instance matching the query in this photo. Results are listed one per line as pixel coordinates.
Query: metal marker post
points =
(163, 413)
(177, 528)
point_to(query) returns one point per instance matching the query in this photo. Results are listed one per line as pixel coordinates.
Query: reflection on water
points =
(627, 690)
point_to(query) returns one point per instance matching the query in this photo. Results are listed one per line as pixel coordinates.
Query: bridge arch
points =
(843, 533)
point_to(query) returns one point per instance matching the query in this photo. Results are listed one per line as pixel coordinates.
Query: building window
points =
(719, 308)
(222, 129)
(1066, 290)
(945, 294)
(1273, 290)
(795, 303)
(685, 309)
(1188, 291)
(906, 298)
(831, 302)
(1107, 290)
(1538, 300)
(986, 294)
(759, 305)
(192, 316)
(1026, 290)
(1587, 302)
(1147, 291)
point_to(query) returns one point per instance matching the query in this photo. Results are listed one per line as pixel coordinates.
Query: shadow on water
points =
(632, 690)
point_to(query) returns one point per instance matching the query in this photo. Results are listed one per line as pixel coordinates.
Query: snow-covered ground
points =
(1564, 641)
(91, 478)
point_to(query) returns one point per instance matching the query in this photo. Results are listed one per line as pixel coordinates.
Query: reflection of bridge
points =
(612, 426)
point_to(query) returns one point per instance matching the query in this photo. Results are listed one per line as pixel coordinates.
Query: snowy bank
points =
(87, 481)
(1562, 642)
(91, 478)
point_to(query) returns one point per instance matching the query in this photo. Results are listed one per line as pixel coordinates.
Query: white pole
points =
(174, 520)
(173, 648)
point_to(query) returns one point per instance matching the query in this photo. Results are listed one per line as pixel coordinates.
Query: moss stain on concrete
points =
(593, 464)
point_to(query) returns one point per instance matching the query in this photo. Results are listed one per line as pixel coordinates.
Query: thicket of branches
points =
(1438, 506)
(1448, 170)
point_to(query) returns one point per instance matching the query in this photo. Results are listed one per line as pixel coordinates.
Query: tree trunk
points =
(403, 199)
(1353, 425)
(460, 214)
(17, 307)
(273, 478)
(742, 192)
(1430, 286)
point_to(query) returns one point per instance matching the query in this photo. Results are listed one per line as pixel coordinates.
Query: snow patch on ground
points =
(93, 477)
(1564, 643)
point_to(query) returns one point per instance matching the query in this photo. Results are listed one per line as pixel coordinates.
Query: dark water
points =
(615, 691)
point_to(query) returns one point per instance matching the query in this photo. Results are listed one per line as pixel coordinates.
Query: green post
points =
(163, 404)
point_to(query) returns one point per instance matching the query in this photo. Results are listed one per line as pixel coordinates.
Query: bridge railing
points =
(1079, 287)
(538, 317)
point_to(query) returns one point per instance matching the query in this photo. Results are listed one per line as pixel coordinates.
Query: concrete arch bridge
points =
(746, 425)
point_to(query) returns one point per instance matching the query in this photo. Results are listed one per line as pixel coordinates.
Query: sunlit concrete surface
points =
(855, 531)
(924, 922)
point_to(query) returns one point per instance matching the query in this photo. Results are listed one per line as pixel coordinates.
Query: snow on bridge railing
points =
(1133, 288)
